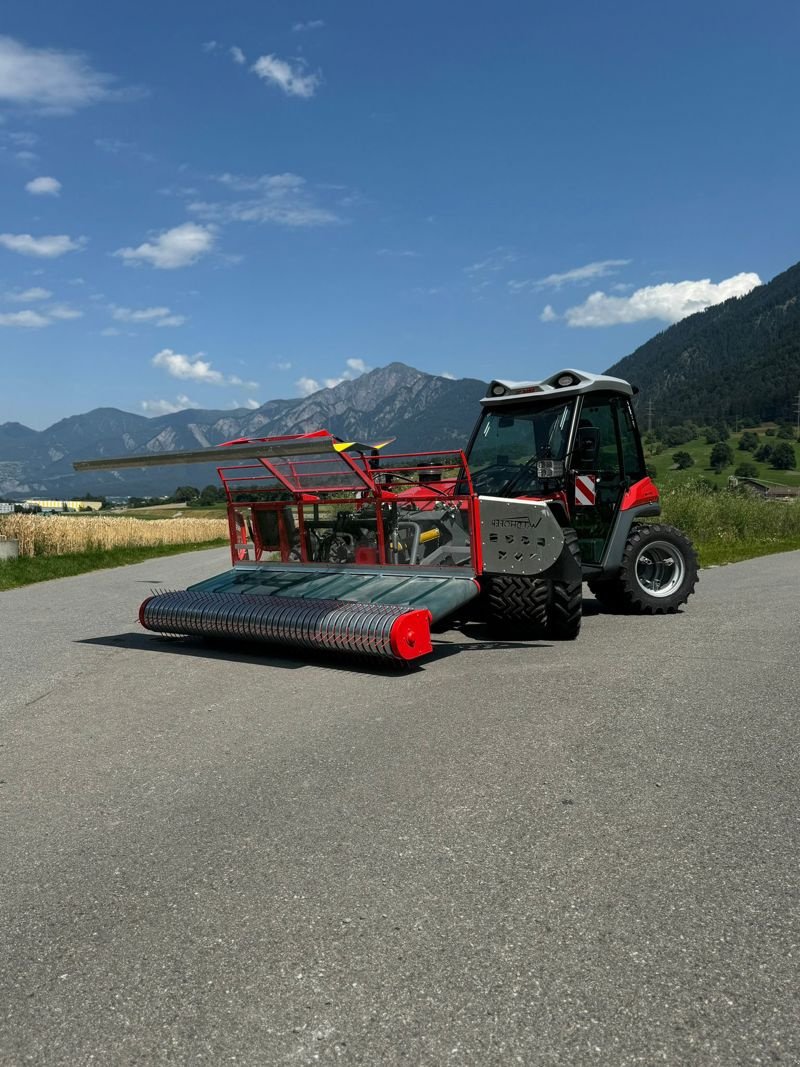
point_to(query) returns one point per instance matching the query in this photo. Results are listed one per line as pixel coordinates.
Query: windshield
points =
(510, 443)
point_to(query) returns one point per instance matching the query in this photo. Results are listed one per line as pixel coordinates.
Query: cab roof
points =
(565, 383)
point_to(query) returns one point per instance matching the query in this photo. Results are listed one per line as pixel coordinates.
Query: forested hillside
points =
(737, 361)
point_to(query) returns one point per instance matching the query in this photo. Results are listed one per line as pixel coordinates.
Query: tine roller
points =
(384, 631)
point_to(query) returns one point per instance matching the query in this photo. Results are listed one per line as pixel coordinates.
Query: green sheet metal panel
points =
(440, 593)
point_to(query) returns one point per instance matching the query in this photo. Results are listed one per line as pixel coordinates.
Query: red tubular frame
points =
(375, 478)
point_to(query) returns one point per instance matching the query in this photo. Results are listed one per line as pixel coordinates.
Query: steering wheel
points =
(494, 470)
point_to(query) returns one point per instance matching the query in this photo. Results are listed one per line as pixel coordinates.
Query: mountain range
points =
(736, 360)
(423, 411)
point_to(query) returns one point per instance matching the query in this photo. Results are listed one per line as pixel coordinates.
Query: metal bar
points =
(227, 453)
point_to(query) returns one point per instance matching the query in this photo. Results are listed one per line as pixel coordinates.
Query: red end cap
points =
(642, 492)
(410, 636)
(142, 606)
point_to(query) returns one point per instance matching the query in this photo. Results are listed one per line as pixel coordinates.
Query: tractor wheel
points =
(515, 604)
(566, 601)
(658, 572)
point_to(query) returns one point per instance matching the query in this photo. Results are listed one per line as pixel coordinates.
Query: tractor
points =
(344, 546)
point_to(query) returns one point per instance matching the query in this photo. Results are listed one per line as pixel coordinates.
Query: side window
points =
(598, 411)
(632, 462)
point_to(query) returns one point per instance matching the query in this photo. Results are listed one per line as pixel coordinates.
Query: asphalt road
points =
(537, 854)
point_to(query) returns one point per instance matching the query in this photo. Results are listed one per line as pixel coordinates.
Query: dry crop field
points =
(58, 535)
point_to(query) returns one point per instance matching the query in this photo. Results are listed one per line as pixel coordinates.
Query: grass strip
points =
(715, 553)
(29, 569)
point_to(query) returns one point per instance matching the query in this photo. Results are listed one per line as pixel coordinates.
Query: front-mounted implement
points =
(341, 546)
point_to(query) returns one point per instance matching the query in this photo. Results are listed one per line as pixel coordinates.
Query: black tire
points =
(516, 605)
(658, 572)
(566, 599)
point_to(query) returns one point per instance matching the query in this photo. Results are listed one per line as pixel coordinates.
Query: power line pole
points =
(797, 408)
(650, 413)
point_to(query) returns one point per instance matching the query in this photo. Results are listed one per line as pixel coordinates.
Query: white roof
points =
(580, 381)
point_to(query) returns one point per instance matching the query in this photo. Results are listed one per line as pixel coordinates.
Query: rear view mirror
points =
(587, 447)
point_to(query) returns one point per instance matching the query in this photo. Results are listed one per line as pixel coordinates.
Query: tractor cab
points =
(570, 440)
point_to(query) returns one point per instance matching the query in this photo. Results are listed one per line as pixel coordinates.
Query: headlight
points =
(549, 468)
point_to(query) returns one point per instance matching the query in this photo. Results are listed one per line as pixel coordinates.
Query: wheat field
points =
(58, 535)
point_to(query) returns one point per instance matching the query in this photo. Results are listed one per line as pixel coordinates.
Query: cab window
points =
(632, 460)
(598, 412)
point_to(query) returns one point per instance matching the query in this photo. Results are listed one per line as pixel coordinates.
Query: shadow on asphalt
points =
(470, 637)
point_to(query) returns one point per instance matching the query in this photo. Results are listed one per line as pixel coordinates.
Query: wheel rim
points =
(660, 568)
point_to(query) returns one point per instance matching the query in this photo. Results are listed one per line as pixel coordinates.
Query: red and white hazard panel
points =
(585, 493)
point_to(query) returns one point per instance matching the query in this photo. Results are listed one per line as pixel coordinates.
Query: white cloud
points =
(44, 186)
(307, 386)
(209, 46)
(588, 272)
(304, 27)
(237, 55)
(191, 368)
(446, 374)
(168, 407)
(159, 316)
(280, 198)
(497, 260)
(21, 138)
(37, 319)
(42, 247)
(28, 296)
(64, 312)
(400, 253)
(548, 313)
(27, 319)
(195, 368)
(110, 331)
(354, 367)
(114, 146)
(282, 365)
(290, 79)
(49, 80)
(178, 247)
(251, 403)
(669, 302)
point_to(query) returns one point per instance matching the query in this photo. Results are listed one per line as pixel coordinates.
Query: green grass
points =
(716, 553)
(29, 569)
(728, 526)
(701, 452)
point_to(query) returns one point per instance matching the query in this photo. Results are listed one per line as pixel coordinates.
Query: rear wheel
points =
(657, 576)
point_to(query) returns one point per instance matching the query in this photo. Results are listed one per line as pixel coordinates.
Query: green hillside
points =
(738, 361)
(660, 460)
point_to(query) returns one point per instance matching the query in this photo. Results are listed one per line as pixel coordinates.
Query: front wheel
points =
(566, 599)
(516, 605)
(658, 572)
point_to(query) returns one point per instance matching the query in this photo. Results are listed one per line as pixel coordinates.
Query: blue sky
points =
(220, 204)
